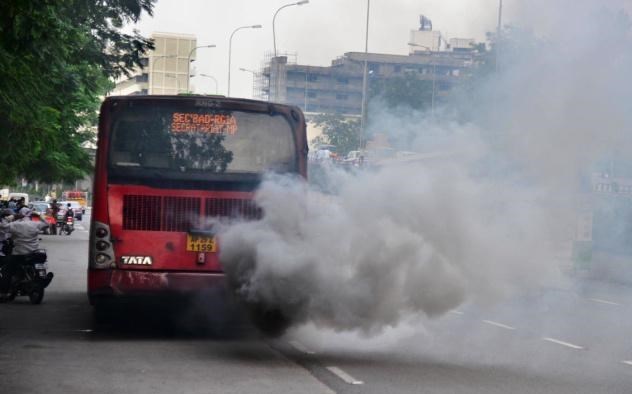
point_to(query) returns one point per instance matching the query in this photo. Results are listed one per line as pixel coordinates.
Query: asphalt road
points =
(574, 338)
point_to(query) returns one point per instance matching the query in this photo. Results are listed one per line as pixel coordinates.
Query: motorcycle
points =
(29, 277)
(65, 223)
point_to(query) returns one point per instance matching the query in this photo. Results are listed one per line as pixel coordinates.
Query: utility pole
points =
(498, 32)
(496, 91)
(365, 76)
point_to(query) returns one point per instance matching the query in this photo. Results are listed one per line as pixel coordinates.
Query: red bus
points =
(166, 167)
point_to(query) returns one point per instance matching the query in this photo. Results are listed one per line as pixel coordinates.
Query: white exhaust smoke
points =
(477, 222)
(403, 240)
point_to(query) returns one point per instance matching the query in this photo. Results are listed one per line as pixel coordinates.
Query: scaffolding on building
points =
(270, 79)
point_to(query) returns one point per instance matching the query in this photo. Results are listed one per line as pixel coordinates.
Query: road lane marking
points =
(628, 362)
(567, 344)
(455, 312)
(343, 375)
(301, 348)
(599, 300)
(493, 323)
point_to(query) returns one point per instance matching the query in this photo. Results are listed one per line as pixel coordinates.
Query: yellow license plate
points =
(201, 243)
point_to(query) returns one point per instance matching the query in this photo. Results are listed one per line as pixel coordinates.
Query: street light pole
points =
(434, 74)
(189, 61)
(212, 78)
(365, 77)
(230, 45)
(274, 20)
(276, 63)
(254, 75)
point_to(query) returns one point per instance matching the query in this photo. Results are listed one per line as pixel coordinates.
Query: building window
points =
(295, 76)
(398, 69)
(311, 94)
(144, 62)
(342, 80)
(296, 91)
(312, 78)
(142, 78)
(341, 96)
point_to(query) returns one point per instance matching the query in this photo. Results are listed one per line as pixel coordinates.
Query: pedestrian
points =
(55, 211)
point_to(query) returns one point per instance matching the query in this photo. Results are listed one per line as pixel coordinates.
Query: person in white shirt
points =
(25, 235)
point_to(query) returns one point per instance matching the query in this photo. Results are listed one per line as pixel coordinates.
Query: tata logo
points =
(137, 260)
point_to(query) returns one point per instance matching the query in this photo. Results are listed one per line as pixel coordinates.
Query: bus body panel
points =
(168, 248)
(103, 284)
(172, 268)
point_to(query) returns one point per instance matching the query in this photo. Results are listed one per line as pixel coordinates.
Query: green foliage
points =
(342, 132)
(56, 58)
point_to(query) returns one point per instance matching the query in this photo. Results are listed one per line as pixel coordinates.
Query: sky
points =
(317, 32)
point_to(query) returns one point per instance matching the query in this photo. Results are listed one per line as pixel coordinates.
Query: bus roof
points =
(212, 100)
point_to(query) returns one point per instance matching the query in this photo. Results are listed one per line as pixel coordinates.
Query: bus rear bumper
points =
(123, 283)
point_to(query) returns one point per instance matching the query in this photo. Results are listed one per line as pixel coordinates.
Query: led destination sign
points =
(182, 122)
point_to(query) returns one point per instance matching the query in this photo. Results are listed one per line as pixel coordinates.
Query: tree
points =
(342, 132)
(56, 61)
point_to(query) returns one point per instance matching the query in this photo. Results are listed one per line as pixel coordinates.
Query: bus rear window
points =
(175, 140)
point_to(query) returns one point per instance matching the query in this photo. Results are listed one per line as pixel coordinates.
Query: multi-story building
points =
(338, 88)
(166, 69)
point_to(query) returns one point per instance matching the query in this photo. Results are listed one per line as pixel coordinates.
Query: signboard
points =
(182, 122)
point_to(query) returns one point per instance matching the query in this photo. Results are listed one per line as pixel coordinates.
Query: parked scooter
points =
(30, 277)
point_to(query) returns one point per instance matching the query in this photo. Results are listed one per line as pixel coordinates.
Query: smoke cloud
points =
(475, 210)
(399, 241)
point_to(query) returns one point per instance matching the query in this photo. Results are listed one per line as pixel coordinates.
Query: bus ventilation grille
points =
(162, 213)
(232, 208)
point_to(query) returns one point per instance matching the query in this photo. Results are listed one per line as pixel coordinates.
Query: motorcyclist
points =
(25, 235)
(69, 212)
(64, 225)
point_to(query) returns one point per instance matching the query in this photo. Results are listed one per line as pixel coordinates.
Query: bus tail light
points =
(101, 232)
(101, 251)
